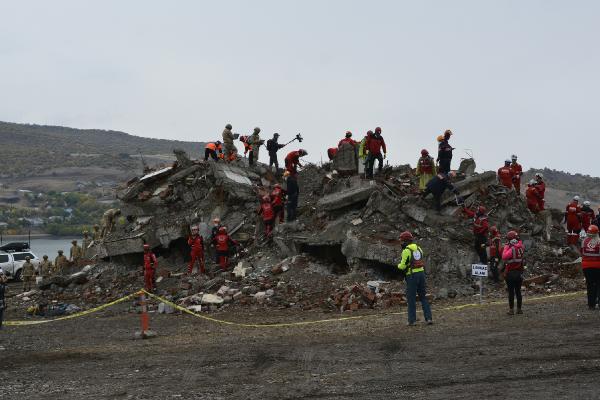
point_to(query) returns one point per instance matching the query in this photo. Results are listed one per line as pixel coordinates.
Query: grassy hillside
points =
(566, 185)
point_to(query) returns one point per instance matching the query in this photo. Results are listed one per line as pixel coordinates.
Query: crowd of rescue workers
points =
(503, 256)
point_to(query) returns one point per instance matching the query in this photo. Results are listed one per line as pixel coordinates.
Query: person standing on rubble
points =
(587, 215)
(412, 266)
(223, 242)
(512, 256)
(444, 157)
(150, 266)
(244, 139)
(293, 194)
(495, 244)
(213, 234)
(438, 185)
(255, 143)
(213, 150)
(273, 147)
(532, 195)
(590, 263)
(348, 139)
(517, 171)
(196, 243)
(96, 234)
(27, 274)
(45, 268)
(278, 200)
(109, 219)
(425, 169)
(292, 161)
(230, 149)
(480, 231)
(265, 210)
(60, 262)
(505, 175)
(3, 281)
(362, 153)
(75, 253)
(374, 145)
(573, 220)
(541, 187)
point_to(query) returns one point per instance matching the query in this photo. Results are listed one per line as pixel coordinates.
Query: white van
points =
(12, 263)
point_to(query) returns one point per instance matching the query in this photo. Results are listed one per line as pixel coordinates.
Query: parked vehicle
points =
(12, 263)
(15, 246)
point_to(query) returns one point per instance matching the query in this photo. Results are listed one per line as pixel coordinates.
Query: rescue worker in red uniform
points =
(425, 169)
(573, 220)
(587, 215)
(268, 214)
(374, 145)
(292, 161)
(505, 175)
(532, 194)
(211, 150)
(541, 187)
(331, 153)
(278, 200)
(223, 243)
(480, 231)
(517, 171)
(590, 263)
(512, 256)
(196, 243)
(150, 266)
(495, 244)
(348, 139)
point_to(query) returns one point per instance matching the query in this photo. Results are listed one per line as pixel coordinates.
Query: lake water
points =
(45, 245)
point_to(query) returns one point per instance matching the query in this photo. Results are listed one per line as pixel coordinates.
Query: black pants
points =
(371, 164)
(514, 279)
(292, 205)
(445, 165)
(210, 153)
(1, 316)
(592, 281)
(273, 161)
(437, 198)
(493, 263)
(480, 243)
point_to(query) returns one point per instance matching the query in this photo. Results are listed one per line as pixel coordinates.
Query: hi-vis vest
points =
(412, 259)
(590, 254)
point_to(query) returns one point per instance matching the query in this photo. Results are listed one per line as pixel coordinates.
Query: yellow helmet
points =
(440, 138)
(286, 174)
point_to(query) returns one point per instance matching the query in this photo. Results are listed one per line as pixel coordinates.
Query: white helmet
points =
(576, 198)
(587, 203)
(514, 157)
(539, 175)
(507, 161)
(532, 182)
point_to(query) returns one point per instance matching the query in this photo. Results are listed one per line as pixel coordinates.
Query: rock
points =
(467, 166)
(355, 196)
(223, 290)
(211, 299)
(442, 293)
(195, 308)
(164, 308)
(269, 293)
(77, 278)
(345, 161)
(452, 293)
(213, 283)
(149, 334)
(470, 185)
(260, 297)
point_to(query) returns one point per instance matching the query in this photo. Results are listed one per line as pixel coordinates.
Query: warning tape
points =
(272, 325)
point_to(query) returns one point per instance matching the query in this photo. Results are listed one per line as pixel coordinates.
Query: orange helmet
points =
(593, 230)
(440, 138)
(406, 236)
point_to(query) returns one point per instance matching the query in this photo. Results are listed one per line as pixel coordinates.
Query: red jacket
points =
(222, 242)
(266, 210)
(292, 161)
(347, 140)
(590, 254)
(517, 171)
(197, 244)
(505, 175)
(150, 261)
(331, 153)
(512, 256)
(541, 187)
(587, 216)
(374, 144)
(425, 165)
(481, 224)
(533, 198)
(495, 245)
(573, 216)
(277, 196)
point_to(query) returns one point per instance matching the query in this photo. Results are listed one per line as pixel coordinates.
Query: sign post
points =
(480, 271)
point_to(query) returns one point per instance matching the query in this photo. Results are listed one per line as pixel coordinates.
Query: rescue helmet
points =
(539, 175)
(424, 152)
(507, 161)
(60, 251)
(448, 133)
(194, 229)
(222, 230)
(513, 157)
(218, 142)
(587, 203)
(592, 230)
(74, 241)
(228, 126)
(493, 229)
(45, 257)
(576, 198)
(511, 235)
(406, 236)
(440, 138)
(369, 133)
(146, 247)
(532, 182)
(276, 135)
(348, 134)
(378, 130)
(266, 199)
(302, 152)
(277, 185)
(217, 220)
(257, 130)
(481, 210)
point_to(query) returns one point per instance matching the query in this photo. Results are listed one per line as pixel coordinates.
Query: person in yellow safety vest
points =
(425, 169)
(413, 267)
(362, 153)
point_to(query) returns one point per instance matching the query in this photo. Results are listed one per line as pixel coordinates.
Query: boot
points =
(519, 311)
(510, 312)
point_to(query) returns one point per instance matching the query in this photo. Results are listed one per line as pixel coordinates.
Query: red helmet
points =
(369, 133)
(593, 230)
(481, 210)
(494, 229)
(512, 235)
(302, 152)
(266, 199)
(348, 134)
(406, 236)
(146, 247)
(424, 152)
(378, 130)
(222, 230)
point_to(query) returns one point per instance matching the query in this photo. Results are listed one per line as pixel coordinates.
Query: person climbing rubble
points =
(412, 265)
(255, 142)
(512, 257)
(213, 150)
(480, 231)
(60, 262)
(27, 274)
(572, 219)
(374, 145)
(590, 264)
(230, 149)
(533, 197)
(196, 243)
(425, 169)
(444, 158)
(292, 161)
(517, 172)
(505, 175)
(495, 246)
(273, 147)
(541, 187)
(438, 185)
(293, 193)
(150, 266)
(266, 211)
(587, 215)
(223, 243)
(109, 219)
(278, 195)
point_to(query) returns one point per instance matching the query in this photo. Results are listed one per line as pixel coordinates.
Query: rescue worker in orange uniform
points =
(278, 200)
(480, 231)
(292, 161)
(587, 215)
(541, 187)
(505, 175)
(196, 243)
(223, 243)
(247, 147)
(512, 256)
(425, 169)
(213, 150)
(573, 220)
(268, 214)
(590, 263)
(517, 171)
(532, 194)
(150, 266)
(495, 244)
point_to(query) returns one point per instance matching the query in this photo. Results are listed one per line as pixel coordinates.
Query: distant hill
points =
(66, 154)
(563, 186)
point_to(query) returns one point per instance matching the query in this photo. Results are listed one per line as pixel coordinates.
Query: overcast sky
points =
(506, 76)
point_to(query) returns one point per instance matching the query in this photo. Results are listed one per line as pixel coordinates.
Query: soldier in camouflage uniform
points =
(75, 253)
(45, 269)
(60, 262)
(27, 274)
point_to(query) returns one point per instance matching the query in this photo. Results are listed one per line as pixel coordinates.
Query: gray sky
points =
(506, 76)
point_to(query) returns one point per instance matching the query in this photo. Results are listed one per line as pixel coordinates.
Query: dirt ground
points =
(550, 352)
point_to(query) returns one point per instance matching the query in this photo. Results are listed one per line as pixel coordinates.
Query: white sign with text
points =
(479, 270)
